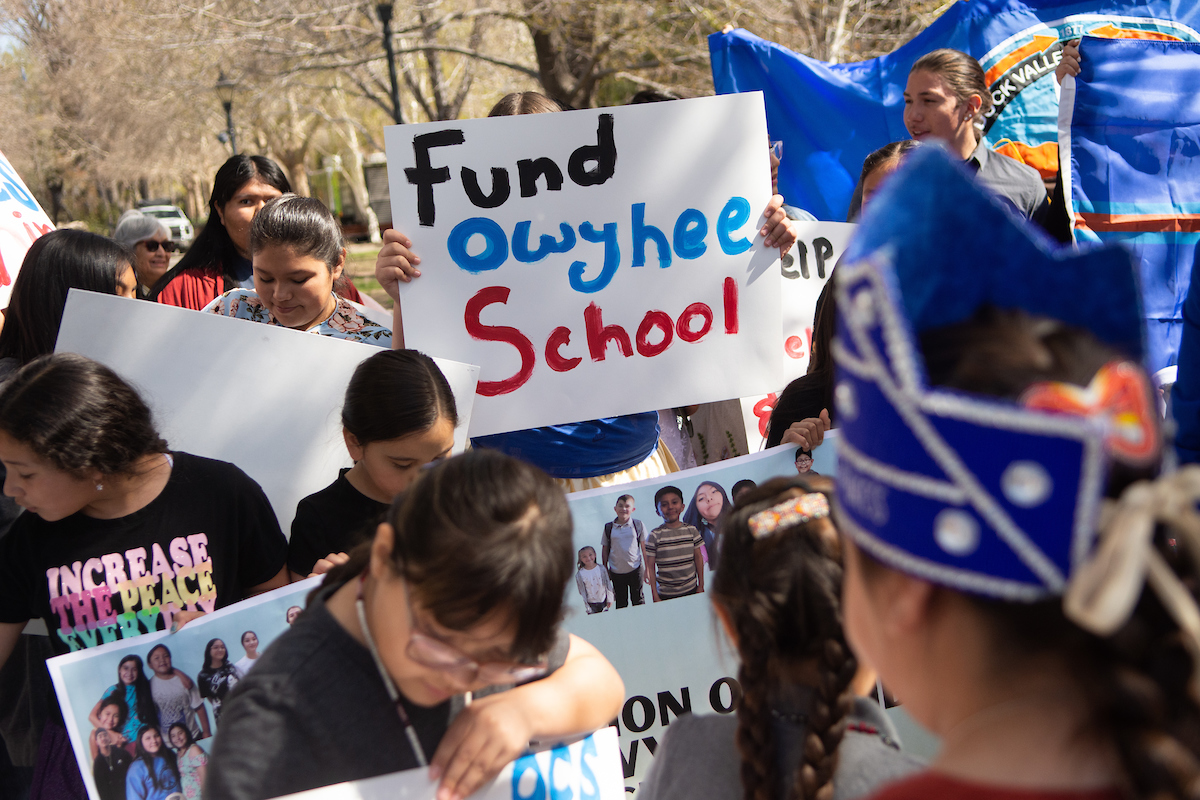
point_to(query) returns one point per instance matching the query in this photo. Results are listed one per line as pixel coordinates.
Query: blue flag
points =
(831, 116)
(1131, 124)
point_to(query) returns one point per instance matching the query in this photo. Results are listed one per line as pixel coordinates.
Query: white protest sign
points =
(805, 269)
(668, 653)
(586, 769)
(265, 398)
(22, 221)
(596, 262)
(83, 678)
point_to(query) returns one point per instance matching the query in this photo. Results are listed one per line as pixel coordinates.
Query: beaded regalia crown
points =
(976, 493)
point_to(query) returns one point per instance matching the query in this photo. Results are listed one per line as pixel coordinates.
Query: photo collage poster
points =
(668, 653)
(180, 678)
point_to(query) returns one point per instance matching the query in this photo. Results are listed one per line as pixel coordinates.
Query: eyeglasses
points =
(430, 652)
(152, 246)
(777, 149)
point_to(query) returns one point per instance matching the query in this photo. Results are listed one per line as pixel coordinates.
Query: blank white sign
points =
(266, 398)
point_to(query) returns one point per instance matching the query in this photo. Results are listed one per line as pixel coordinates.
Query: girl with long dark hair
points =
(54, 264)
(120, 536)
(706, 513)
(191, 760)
(153, 775)
(219, 259)
(802, 730)
(399, 415)
(133, 688)
(218, 676)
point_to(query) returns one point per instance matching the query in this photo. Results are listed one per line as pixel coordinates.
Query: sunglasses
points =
(430, 652)
(152, 246)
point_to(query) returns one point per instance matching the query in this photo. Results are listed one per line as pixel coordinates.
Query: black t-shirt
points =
(314, 711)
(208, 537)
(333, 520)
(216, 684)
(109, 773)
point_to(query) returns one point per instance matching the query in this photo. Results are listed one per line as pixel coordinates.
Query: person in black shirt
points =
(218, 677)
(399, 415)
(109, 769)
(120, 536)
(460, 592)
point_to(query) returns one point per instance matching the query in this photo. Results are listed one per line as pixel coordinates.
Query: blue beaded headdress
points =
(972, 492)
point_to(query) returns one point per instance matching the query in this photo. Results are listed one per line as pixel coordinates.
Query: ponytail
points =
(396, 393)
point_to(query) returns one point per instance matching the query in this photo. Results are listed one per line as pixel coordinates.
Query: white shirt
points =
(624, 552)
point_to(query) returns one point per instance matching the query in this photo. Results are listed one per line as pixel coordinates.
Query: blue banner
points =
(831, 116)
(1134, 170)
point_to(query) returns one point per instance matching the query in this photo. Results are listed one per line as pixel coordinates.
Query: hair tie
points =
(1104, 590)
(795, 511)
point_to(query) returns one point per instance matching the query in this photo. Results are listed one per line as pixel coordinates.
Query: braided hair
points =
(1135, 682)
(782, 596)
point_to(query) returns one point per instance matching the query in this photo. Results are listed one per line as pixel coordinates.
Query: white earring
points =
(99, 487)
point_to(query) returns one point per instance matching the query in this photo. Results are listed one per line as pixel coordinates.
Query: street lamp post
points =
(225, 87)
(384, 10)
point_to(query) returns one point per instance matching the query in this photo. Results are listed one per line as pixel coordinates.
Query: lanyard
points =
(392, 691)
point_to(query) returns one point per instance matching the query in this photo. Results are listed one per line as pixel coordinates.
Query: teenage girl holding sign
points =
(120, 535)
(581, 455)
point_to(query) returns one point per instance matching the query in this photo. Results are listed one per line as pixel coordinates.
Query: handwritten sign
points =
(805, 270)
(22, 221)
(83, 678)
(585, 769)
(263, 397)
(594, 262)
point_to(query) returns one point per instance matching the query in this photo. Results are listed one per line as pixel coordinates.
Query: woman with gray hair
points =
(149, 239)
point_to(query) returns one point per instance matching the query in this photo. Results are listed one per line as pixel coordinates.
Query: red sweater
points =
(930, 785)
(195, 288)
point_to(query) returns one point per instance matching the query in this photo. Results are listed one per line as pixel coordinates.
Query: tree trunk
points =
(353, 167)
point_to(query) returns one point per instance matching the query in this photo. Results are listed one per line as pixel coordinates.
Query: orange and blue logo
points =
(1020, 75)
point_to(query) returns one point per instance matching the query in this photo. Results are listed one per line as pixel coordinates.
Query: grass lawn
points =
(360, 268)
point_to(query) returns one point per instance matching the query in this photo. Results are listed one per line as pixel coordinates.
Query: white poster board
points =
(585, 769)
(81, 679)
(265, 398)
(669, 654)
(22, 221)
(596, 262)
(804, 269)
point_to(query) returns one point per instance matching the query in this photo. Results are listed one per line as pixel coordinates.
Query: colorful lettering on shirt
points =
(119, 595)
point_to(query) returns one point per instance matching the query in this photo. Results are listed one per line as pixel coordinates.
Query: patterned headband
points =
(795, 511)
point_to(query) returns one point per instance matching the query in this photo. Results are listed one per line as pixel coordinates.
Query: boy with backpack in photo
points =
(621, 552)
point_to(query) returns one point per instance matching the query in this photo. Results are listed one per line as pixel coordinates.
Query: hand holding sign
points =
(549, 264)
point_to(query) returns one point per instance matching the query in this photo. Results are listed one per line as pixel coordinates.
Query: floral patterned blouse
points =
(190, 763)
(346, 322)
